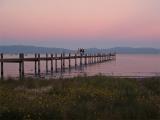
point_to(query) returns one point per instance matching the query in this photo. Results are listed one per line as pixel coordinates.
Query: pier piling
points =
(69, 64)
(75, 60)
(35, 64)
(46, 62)
(51, 63)
(56, 63)
(2, 66)
(39, 65)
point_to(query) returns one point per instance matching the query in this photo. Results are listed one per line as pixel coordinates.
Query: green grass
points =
(80, 98)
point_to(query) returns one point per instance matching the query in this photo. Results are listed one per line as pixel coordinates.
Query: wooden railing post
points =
(22, 57)
(88, 58)
(85, 59)
(56, 63)
(108, 57)
(75, 60)
(97, 58)
(2, 66)
(61, 61)
(47, 62)
(69, 61)
(51, 63)
(20, 65)
(101, 57)
(35, 64)
(39, 65)
(91, 58)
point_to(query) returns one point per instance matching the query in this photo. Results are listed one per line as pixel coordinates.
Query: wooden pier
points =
(84, 60)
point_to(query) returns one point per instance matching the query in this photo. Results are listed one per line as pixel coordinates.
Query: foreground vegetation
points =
(80, 98)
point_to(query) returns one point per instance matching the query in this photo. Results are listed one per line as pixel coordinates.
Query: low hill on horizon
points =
(15, 49)
(131, 50)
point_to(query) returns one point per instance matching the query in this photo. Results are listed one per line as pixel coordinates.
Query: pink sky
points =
(38, 20)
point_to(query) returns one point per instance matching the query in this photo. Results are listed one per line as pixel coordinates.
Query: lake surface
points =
(125, 65)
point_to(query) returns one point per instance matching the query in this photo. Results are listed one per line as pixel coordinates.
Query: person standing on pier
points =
(81, 50)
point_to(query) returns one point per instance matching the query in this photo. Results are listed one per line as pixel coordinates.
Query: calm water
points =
(124, 65)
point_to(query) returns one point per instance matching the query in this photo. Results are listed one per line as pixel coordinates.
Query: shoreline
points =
(78, 76)
(85, 75)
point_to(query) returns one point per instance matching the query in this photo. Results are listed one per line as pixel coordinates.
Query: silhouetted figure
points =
(81, 50)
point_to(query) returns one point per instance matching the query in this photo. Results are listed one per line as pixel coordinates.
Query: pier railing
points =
(84, 59)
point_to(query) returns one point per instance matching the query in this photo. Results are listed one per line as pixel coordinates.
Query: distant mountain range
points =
(33, 49)
(130, 50)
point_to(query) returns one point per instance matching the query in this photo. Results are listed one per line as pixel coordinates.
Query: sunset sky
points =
(80, 23)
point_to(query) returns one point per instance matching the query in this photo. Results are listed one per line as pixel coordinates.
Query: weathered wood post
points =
(51, 63)
(56, 63)
(85, 61)
(69, 61)
(2, 66)
(88, 58)
(90, 61)
(101, 57)
(39, 65)
(61, 61)
(35, 64)
(20, 65)
(75, 60)
(91, 58)
(97, 58)
(106, 56)
(22, 57)
(47, 62)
